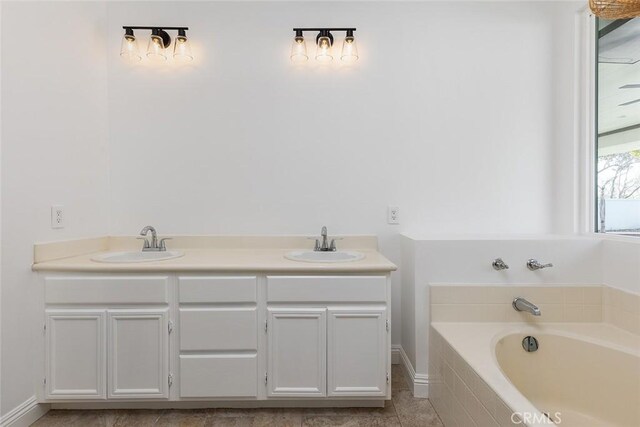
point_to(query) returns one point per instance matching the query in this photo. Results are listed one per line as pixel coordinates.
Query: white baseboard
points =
(24, 414)
(395, 354)
(419, 382)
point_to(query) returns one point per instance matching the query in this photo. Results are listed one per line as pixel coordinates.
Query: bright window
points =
(618, 125)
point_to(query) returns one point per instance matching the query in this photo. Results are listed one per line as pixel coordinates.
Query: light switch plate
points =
(57, 216)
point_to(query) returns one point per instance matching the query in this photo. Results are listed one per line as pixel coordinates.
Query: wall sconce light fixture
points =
(324, 45)
(129, 48)
(298, 49)
(159, 41)
(349, 48)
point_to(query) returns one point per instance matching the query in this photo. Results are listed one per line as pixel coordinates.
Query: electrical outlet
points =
(393, 215)
(57, 216)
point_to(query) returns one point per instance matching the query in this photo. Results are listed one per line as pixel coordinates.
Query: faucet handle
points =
(316, 247)
(332, 246)
(162, 246)
(146, 244)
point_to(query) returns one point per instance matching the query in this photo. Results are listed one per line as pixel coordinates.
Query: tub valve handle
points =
(534, 265)
(498, 264)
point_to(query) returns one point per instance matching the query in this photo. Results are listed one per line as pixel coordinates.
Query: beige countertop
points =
(209, 254)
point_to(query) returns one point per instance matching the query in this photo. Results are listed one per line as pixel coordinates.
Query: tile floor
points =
(402, 411)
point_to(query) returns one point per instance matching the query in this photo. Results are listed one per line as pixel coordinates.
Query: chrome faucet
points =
(153, 245)
(325, 246)
(521, 304)
(534, 265)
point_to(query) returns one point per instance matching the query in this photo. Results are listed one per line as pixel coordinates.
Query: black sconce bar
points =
(323, 29)
(133, 27)
(157, 31)
(324, 32)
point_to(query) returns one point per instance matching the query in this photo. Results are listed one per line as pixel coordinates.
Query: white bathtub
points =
(582, 375)
(586, 383)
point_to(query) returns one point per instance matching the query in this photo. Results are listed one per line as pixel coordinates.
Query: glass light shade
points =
(129, 49)
(323, 51)
(349, 50)
(156, 50)
(182, 50)
(299, 50)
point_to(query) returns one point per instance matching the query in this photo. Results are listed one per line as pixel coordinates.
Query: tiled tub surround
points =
(452, 303)
(469, 387)
(621, 309)
(459, 395)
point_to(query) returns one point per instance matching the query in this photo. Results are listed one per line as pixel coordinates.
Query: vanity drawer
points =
(106, 290)
(218, 375)
(326, 288)
(217, 289)
(209, 329)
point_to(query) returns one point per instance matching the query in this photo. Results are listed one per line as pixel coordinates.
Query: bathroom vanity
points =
(229, 323)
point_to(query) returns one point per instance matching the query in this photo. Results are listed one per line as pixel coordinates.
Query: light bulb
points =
(323, 51)
(182, 48)
(349, 49)
(299, 49)
(129, 48)
(155, 50)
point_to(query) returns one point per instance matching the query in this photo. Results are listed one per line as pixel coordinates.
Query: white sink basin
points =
(139, 256)
(313, 256)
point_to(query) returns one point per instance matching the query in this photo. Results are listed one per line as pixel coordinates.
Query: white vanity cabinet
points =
(215, 337)
(99, 345)
(328, 336)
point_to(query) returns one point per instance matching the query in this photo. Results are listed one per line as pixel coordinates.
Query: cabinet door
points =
(357, 352)
(75, 354)
(297, 352)
(138, 353)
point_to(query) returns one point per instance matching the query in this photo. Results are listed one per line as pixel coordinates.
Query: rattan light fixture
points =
(615, 9)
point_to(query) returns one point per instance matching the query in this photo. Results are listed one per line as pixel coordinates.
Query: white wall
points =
(460, 113)
(54, 151)
(621, 263)
(451, 113)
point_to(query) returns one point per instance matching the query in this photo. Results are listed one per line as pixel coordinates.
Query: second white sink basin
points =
(314, 256)
(139, 256)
